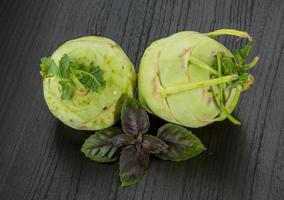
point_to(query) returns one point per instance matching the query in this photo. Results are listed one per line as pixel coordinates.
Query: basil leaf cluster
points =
(133, 146)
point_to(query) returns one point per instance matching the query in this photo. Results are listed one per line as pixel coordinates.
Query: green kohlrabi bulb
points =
(85, 81)
(191, 79)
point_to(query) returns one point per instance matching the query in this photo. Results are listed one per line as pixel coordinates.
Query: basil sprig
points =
(133, 146)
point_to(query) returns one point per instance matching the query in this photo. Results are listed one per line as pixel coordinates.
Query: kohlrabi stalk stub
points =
(191, 79)
(85, 81)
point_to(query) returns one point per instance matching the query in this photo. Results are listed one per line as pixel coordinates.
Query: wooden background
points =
(40, 157)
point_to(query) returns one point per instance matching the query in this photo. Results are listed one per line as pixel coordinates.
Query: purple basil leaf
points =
(183, 145)
(152, 144)
(123, 140)
(99, 147)
(134, 118)
(132, 165)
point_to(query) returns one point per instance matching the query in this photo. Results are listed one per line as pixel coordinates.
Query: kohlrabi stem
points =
(233, 102)
(202, 64)
(202, 84)
(222, 106)
(252, 63)
(229, 32)
(229, 116)
(78, 84)
(219, 64)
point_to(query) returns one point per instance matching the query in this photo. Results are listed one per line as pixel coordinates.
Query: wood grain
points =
(40, 157)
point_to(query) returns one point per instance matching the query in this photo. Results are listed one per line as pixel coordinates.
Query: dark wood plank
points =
(40, 157)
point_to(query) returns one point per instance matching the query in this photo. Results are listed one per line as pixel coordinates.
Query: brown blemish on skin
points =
(209, 101)
(184, 61)
(213, 52)
(81, 92)
(206, 121)
(205, 93)
(113, 45)
(156, 80)
(104, 108)
(54, 109)
(156, 91)
(157, 86)
(84, 127)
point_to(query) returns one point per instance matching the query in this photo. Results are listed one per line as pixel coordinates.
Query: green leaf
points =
(242, 54)
(133, 165)
(64, 67)
(153, 144)
(243, 78)
(134, 118)
(228, 65)
(48, 67)
(92, 78)
(182, 144)
(67, 85)
(99, 147)
(67, 89)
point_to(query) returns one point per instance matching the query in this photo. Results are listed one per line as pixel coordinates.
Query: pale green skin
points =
(165, 64)
(94, 110)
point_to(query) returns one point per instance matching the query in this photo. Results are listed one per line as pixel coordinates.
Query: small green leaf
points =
(242, 54)
(133, 165)
(48, 67)
(67, 89)
(92, 78)
(64, 67)
(134, 118)
(182, 144)
(243, 78)
(99, 147)
(153, 144)
(228, 65)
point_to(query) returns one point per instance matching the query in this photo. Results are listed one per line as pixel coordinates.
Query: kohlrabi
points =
(85, 81)
(191, 79)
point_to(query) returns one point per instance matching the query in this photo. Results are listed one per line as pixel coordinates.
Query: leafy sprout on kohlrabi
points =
(69, 72)
(193, 80)
(133, 146)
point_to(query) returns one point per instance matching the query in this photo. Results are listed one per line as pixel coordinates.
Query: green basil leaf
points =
(152, 144)
(133, 165)
(99, 147)
(134, 118)
(182, 144)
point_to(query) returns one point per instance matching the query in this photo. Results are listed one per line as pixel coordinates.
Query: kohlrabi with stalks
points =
(191, 79)
(85, 81)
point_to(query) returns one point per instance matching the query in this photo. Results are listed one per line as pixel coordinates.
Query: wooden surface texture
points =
(40, 157)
